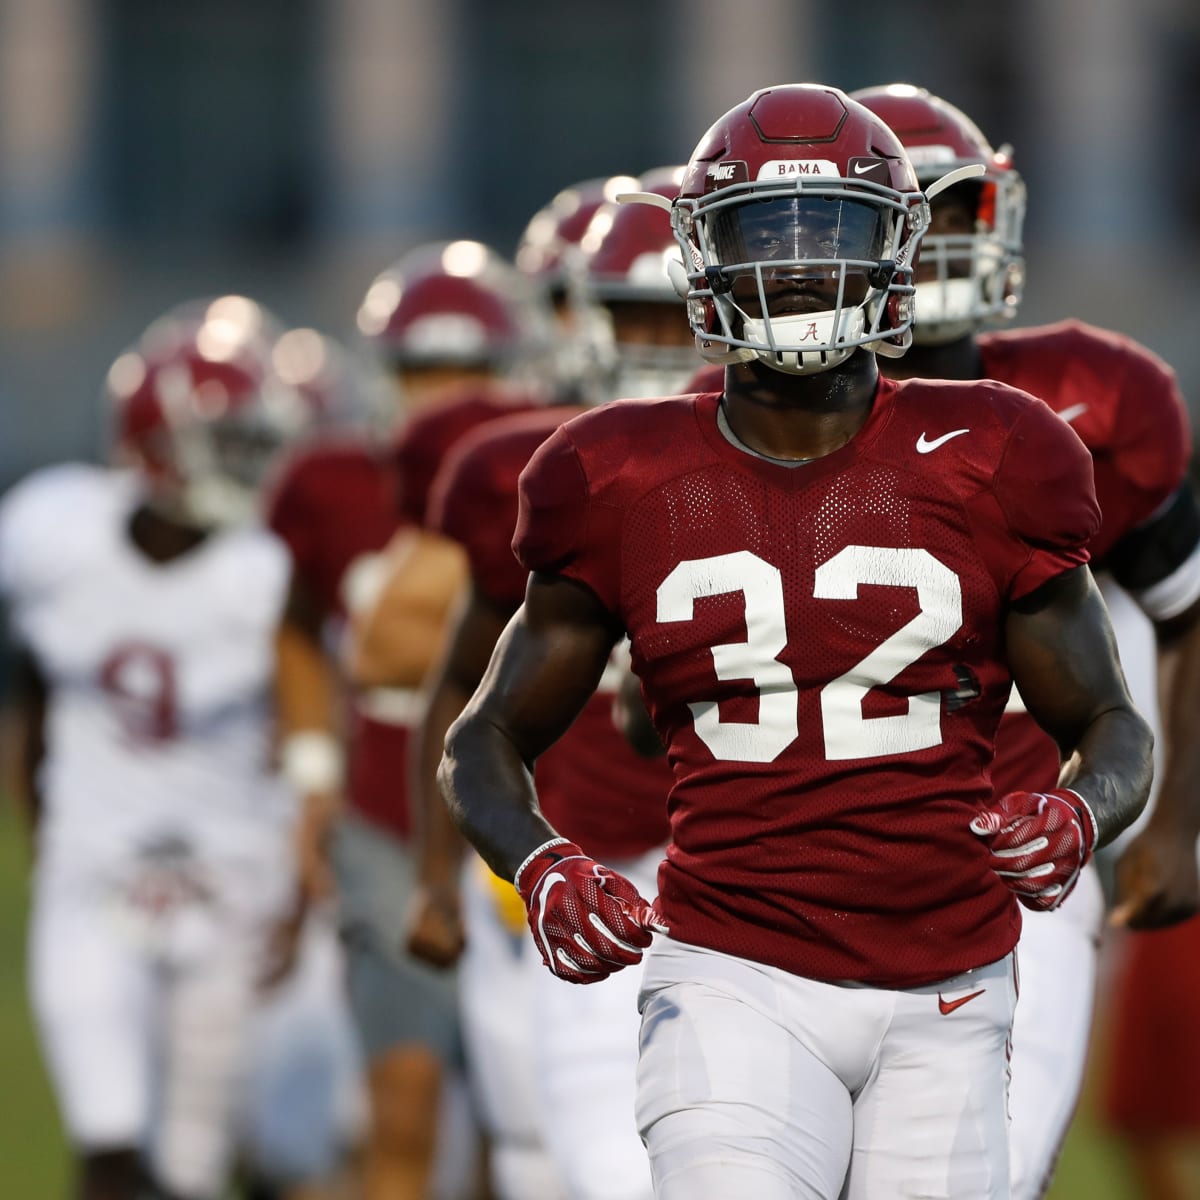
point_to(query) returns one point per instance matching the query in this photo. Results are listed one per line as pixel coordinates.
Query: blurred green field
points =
(33, 1165)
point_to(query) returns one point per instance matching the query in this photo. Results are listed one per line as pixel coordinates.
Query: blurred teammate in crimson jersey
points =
(144, 599)
(445, 318)
(1124, 404)
(567, 1056)
(830, 582)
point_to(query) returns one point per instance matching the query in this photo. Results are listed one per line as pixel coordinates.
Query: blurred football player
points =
(572, 1065)
(826, 624)
(445, 317)
(145, 599)
(1124, 404)
(549, 254)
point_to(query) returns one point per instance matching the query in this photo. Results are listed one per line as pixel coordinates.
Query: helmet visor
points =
(796, 229)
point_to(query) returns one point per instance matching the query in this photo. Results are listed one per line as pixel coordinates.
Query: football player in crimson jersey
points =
(443, 319)
(830, 584)
(569, 1056)
(144, 599)
(1124, 404)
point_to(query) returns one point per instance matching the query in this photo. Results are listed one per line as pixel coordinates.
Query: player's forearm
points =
(439, 843)
(488, 790)
(305, 685)
(1114, 767)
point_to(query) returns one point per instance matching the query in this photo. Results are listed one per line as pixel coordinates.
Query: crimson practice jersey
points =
(591, 786)
(821, 646)
(337, 506)
(1124, 404)
(429, 437)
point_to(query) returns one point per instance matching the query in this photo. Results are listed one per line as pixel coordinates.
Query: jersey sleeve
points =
(562, 528)
(418, 451)
(40, 536)
(1151, 442)
(1045, 491)
(289, 512)
(468, 504)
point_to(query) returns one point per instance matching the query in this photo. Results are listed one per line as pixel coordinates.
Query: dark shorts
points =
(396, 1000)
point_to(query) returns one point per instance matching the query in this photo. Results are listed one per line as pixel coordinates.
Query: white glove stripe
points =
(1033, 872)
(1038, 843)
(567, 961)
(595, 921)
(542, 890)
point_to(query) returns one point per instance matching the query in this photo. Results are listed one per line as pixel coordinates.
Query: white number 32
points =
(846, 732)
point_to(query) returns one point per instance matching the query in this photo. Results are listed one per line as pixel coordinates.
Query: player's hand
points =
(587, 921)
(1158, 884)
(282, 947)
(1039, 843)
(435, 926)
(314, 837)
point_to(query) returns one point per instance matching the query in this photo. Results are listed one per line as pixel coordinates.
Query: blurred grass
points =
(33, 1157)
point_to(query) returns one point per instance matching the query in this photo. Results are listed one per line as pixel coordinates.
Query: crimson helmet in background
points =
(548, 250)
(800, 219)
(324, 373)
(978, 275)
(628, 251)
(451, 312)
(198, 409)
(548, 254)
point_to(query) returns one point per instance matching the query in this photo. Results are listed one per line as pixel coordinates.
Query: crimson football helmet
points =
(549, 255)
(197, 407)
(548, 250)
(322, 371)
(628, 252)
(979, 274)
(800, 221)
(452, 304)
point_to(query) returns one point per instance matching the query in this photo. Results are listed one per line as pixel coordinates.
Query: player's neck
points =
(960, 359)
(799, 416)
(161, 539)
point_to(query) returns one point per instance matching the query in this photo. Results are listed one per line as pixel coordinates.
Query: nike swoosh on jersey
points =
(1076, 410)
(924, 446)
(946, 1007)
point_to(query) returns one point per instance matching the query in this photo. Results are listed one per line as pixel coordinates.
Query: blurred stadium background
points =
(289, 149)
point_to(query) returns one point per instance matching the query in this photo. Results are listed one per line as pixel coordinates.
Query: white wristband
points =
(554, 841)
(312, 761)
(1087, 808)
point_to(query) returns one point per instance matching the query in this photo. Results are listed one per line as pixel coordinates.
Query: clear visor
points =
(797, 229)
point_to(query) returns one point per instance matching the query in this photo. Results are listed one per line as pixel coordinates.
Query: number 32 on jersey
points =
(847, 733)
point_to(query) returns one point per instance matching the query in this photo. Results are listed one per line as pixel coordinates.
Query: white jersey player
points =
(145, 609)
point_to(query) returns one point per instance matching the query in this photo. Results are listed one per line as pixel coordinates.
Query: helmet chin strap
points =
(824, 329)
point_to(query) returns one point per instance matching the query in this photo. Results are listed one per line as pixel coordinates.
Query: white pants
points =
(586, 1052)
(495, 994)
(1050, 1031)
(755, 1082)
(143, 997)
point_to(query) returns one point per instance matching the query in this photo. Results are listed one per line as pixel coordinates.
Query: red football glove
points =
(587, 921)
(1040, 842)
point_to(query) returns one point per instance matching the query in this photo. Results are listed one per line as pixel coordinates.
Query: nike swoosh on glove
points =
(1039, 843)
(587, 921)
